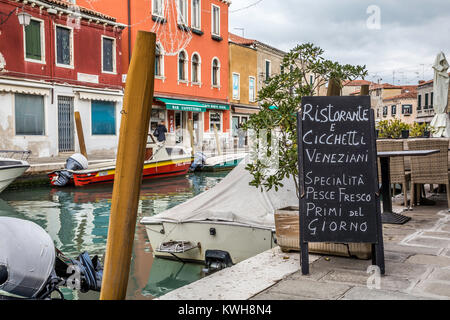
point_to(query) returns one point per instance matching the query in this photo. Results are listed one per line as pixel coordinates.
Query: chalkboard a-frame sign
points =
(338, 177)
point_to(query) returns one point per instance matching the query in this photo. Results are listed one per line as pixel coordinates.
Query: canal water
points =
(77, 220)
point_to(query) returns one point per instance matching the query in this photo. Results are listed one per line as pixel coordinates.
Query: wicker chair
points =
(432, 169)
(397, 165)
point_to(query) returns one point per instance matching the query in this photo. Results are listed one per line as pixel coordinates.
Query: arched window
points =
(182, 64)
(196, 68)
(215, 72)
(159, 63)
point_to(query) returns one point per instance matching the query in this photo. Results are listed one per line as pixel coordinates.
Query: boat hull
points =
(241, 242)
(162, 169)
(9, 174)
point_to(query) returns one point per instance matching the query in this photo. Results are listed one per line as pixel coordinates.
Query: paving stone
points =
(359, 278)
(268, 295)
(362, 293)
(430, 242)
(353, 278)
(316, 272)
(437, 234)
(396, 256)
(334, 263)
(404, 270)
(429, 260)
(410, 249)
(440, 274)
(311, 289)
(446, 227)
(435, 288)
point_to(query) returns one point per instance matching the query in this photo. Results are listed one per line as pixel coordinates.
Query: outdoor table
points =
(387, 216)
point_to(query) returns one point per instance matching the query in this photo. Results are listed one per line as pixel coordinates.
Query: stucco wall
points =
(243, 60)
(47, 145)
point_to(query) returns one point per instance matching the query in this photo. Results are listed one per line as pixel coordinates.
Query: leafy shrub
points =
(392, 129)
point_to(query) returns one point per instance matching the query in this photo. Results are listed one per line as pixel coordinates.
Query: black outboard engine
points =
(31, 267)
(217, 260)
(199, 161)
(73, 163)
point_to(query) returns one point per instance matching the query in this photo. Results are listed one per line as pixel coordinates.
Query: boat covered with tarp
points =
(233, 219)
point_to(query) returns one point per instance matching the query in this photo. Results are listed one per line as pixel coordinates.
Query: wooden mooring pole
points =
(130, 160)
(334, 87)
(80, 134)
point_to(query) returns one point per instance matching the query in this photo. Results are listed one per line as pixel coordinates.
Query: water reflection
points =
(77, 220)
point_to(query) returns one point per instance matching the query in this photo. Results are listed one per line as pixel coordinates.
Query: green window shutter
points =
(33, 40)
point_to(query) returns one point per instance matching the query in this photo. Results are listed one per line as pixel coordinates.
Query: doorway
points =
(179, 126)
(65, 124)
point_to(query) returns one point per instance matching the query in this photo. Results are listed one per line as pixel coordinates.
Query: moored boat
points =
(165, 161)
(217, 163)
(11, 169)
(228, 223)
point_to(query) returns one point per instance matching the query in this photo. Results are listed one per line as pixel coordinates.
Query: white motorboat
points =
(11, 169)
(227, 224)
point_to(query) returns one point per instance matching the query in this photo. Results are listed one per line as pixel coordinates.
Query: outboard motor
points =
(32, 268)
(76, 162)
(216, 260)
(199, 161)
(27, 257)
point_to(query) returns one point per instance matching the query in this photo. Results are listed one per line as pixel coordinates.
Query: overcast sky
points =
(410, 34)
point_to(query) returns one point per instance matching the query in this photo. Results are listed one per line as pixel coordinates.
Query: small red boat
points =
(166, 161)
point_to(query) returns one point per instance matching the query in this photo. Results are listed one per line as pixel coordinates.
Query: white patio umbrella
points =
(440, 123)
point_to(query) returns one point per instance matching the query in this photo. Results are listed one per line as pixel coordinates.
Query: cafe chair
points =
(432, 169)
(396, 167)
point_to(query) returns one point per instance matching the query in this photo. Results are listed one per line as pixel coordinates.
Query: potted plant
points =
(417, 130)
(280, 100)
(405, 133)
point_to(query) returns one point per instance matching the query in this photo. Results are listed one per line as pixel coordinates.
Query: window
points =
(426, 101)
(393, 110)
(268, 63)
(63, 46)
(196, 68)
(236, 85)
(108, 55)
(182, 66)
(431, 101)
(378, 112)
(251, 89)
(103, 117)
(215, 23)
(159, 62)
(385, 111)
(29, 114)
(215, 119)
(182, 12)
(311, 80)
(419, 102)
(158, 8)
(34, 41)
(406, 109)
(281, 69)
(215, 72)
(196, 14)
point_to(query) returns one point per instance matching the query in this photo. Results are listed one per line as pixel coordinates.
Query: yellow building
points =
(243, 82)
(402, 107)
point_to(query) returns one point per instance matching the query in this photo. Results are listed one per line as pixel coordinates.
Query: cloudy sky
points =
(400, 48)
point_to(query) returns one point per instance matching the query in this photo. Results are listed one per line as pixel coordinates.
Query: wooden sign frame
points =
(377, 238)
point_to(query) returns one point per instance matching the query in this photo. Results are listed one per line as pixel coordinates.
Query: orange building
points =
(192, 84)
